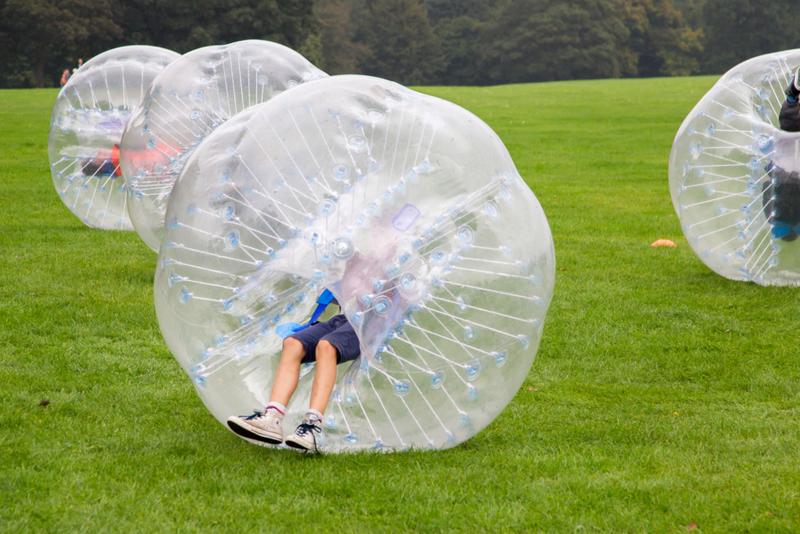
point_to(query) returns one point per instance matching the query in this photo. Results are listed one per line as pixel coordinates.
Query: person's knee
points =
(326, 352)
(292, 348)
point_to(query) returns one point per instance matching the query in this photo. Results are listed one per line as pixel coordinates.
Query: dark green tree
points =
(460, 50)
(44, 36)
(34, 32)
(736, 30)
(691, 11)
(401, 43)
(478, 10)
(544, 40)
(341, 52)
(183, 25)
(458, 24)
(661, 43)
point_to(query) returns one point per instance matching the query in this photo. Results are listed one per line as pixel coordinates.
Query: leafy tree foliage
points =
(183, 25)
(341, 52)
(479, 10)
(460, 50)
(540, 40)
(459, 25)
(452, 42)
(543, 40)
(736, 30)
(38, 38)
(401, 43)
(661, 43)
(691, 11)
(32, 32)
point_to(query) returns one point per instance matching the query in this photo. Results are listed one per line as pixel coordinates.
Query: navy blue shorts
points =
(337, 331)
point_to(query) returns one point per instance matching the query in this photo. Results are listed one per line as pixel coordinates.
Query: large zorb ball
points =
(734, 179)
(410, 210)
(187, 101)
(88, 118)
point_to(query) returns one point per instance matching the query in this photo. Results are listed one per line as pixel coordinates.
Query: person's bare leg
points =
(325, 376)
(288, 371)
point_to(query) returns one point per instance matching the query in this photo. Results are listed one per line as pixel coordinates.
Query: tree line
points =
(414, 42)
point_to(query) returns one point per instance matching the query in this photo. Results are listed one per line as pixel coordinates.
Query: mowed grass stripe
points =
(662, 394)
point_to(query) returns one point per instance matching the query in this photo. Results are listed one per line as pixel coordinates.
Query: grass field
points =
(663, 398)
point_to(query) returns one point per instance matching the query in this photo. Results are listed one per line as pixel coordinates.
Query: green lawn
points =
(663, 396)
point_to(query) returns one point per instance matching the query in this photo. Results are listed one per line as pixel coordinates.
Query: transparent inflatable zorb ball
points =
(89, 116)
(187, 101)
(409, 210)
(734, 175)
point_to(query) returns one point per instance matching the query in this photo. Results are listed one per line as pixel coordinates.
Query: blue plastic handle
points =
(287, 329)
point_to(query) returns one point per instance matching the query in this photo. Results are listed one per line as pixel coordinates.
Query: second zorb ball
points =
(187, 101)
(409, 210)
(734, 175)
(88, 119)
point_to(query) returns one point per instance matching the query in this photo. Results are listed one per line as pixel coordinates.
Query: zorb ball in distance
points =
(88, 118)
(733, 175)
(409, 210)
(188, 100)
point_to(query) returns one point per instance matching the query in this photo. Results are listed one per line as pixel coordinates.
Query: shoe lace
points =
(309, 429)
(257, 414)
